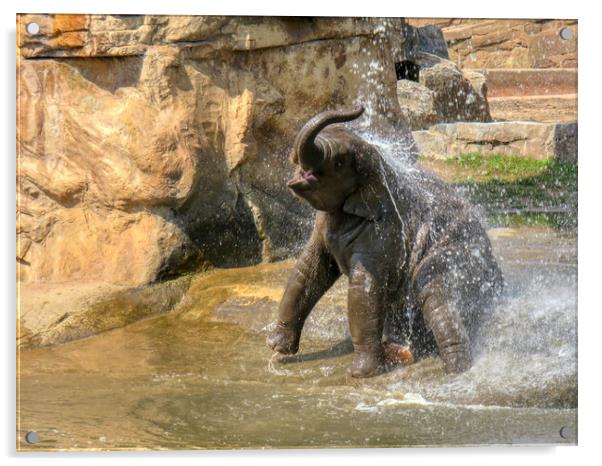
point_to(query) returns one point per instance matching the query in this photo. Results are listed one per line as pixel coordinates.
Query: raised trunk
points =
(306, 151)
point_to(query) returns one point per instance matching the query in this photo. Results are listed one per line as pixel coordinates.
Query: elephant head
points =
(337, 169)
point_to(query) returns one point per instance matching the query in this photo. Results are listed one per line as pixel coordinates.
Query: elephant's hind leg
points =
(445, 321)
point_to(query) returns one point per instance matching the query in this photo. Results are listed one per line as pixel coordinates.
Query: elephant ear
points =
(365, 202)
(368, 200)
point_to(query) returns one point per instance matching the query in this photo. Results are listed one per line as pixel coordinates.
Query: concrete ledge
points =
(541, 141)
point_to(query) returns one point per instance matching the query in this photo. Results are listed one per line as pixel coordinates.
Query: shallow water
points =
(201, 376)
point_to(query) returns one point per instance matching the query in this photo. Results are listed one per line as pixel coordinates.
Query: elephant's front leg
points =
(366, 309)
(313, 274)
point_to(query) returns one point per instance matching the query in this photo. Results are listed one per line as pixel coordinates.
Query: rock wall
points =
(149, 145)
(507, 43)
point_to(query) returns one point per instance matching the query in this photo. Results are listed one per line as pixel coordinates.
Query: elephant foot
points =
(284, 340)
(367, 364)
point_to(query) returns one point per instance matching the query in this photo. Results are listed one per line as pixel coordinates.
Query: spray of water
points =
(526, 353)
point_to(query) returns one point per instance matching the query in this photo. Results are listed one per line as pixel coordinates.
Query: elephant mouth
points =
(303, 181)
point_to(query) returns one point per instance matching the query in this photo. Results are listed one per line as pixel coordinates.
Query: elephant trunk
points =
(305, 149)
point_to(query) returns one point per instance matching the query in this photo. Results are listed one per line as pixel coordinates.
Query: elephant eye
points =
(338, 164)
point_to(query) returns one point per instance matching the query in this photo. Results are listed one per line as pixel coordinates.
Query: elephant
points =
(419, 263)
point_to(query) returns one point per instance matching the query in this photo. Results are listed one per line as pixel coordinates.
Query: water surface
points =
(202, 378)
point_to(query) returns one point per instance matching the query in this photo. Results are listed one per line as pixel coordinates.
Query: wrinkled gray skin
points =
(419, 262)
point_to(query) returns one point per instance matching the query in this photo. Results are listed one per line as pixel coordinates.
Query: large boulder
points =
(149, 145)
(444, 94)
(459, 97)
(417, 104)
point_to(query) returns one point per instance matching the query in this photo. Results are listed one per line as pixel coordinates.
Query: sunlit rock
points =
(158, 144)
(444, 94)
(540, 141)
(507, 43)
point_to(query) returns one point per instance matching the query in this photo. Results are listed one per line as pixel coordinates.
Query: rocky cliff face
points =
(148, 145)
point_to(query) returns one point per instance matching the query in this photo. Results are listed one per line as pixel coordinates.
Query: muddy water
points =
(201, 377)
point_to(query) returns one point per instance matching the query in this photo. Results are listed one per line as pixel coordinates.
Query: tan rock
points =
(444, 94)
(417, 104)
(544, 108)
(523, 82)
(517, 138)
(112, 246)
(159, 143)
(51, 314)
(507, 43)
(456, 98)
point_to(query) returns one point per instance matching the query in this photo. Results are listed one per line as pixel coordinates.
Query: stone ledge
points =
(541, 141)
(56, 313)
(560, 108)
(529, 81)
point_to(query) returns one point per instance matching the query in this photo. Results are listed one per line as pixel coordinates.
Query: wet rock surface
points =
(51, 314)
(417, 103)
(430, 40)
(459, 96)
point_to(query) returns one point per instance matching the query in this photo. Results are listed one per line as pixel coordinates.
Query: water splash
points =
(525, 356)
(272, 369)
(408, 399)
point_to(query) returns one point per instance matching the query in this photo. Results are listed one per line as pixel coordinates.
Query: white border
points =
(432, 8)
(590, 155)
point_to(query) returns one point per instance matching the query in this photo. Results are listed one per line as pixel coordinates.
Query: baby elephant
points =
(419, 262)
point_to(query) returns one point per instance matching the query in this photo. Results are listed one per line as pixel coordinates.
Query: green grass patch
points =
(476, 167)
(504, 184)
(566, 221)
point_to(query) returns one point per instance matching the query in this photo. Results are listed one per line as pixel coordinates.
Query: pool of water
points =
(201, 377)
